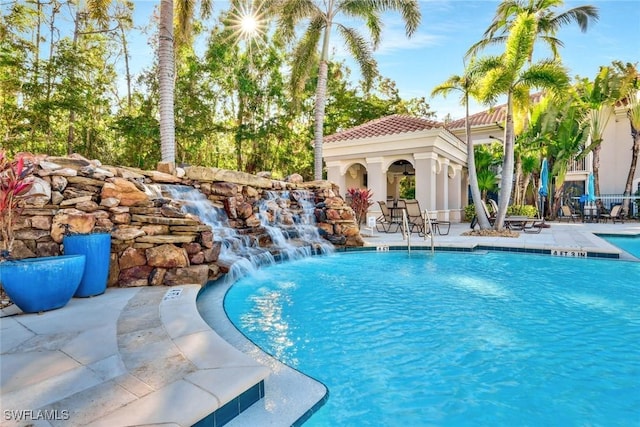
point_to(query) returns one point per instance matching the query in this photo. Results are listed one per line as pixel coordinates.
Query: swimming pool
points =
(453, 339)
(629, 244)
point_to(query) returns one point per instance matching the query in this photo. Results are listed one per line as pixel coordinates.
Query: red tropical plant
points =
(360, 201)
(15, 183)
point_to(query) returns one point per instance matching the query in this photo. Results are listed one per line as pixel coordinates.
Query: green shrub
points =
(469, 212)
(517, 210)
(522, 210)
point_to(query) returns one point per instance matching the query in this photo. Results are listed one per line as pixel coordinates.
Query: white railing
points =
(427, 222)
(406, 231)
(578, 166)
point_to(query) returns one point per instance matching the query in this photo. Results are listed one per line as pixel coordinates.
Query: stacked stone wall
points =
(153, 241)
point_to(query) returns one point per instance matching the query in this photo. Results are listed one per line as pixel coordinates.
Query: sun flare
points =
(247, 21)
(248, 25)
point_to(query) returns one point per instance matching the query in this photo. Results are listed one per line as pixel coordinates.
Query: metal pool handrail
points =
(427, 221)
(406, 232)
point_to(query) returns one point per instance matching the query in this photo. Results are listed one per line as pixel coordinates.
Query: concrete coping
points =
(140, 356)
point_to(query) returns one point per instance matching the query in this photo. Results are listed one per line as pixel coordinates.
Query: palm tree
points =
(549, 22)
(466, 85)
(599, 98)
(322, 17)
(488, 159)
(530, 149)
(507, 74)
(567, 134)
(634, 120)
(166, 65)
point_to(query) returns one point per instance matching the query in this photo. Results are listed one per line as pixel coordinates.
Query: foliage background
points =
(60, 93)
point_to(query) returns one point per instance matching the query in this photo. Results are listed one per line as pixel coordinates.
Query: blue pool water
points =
(453, 339)
(629, 244)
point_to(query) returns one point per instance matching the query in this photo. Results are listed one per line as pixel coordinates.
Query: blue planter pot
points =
(42, 284)
(97, 250)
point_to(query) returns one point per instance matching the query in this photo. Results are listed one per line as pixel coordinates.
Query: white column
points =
(395, 187)
(377, 178)
(455, 193)
(426, 165)
(442, 188)
(334, 175)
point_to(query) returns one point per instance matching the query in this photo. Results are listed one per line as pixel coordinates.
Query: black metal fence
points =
(610, 200)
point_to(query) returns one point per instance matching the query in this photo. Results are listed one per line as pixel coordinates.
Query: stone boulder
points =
(157, 176)
(196, 274)
(295, 178)
(73, 221)
(126, 232)
(69, 162)
(58, 183)
(200, 173)
(135, 276)
(167, 256)
(39, 194)
(132, 257)
(125, 191)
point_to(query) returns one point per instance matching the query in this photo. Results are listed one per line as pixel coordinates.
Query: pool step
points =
(193, 376)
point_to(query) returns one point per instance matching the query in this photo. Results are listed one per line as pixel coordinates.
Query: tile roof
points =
(488, 117)
(390, 125)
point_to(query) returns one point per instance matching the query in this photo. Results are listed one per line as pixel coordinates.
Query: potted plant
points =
(96, 247)
(34, 284)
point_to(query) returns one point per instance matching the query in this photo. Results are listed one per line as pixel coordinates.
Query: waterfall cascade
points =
(286, 229)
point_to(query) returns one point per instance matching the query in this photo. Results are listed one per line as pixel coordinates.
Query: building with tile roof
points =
(379, 153)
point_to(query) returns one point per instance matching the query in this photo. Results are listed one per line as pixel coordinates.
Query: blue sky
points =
(449, 27)
(447, 30)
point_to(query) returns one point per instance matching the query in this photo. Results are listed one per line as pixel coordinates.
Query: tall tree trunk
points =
(166, 73)
(483, 221)
(517, 190)
(36, 46)
(72, 113)
(557, 198)
(55, 8)
(127, 71)
(635, 152)
(321, 100)
(596, 166)
(507, 166)
(524, 187)
(239, 132)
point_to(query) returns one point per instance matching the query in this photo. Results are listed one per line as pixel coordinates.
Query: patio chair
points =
(385, 221)
(414, 215)
(494, 206)
(440, 225)
(417, 220)
(616, 215)
(568, 214)
(490, 216)
(519, 222)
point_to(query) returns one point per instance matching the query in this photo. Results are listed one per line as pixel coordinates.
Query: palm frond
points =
(549, 75)
(360, 48)
(291, 12)
(484, 43)
(98, 10)
(183, 12)
(519, 44)
(581, 15)
(634, 110)
(445, 88)
(305, 56)
(206, 8)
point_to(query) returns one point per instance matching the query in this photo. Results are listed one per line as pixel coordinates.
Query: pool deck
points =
(144, 356)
